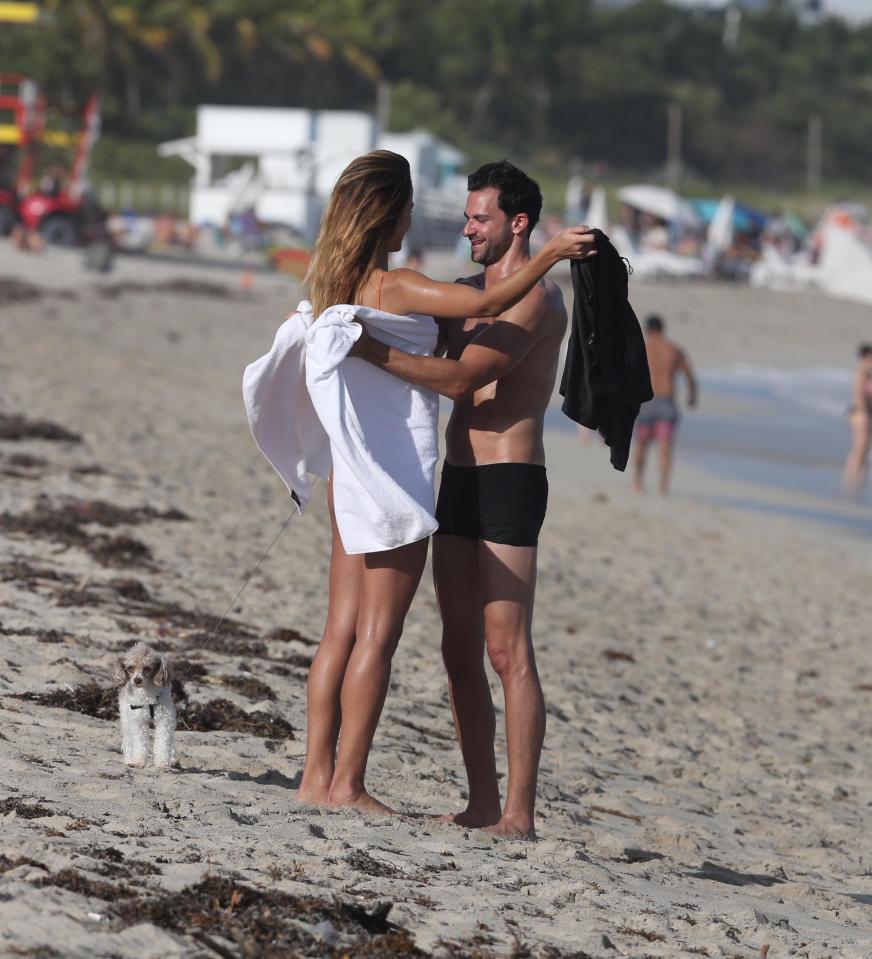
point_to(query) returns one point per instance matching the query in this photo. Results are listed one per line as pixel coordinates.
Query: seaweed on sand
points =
(233, 639)
(24, 809)
(6, 863)
(13, 426)
(248, 686)
(115, 864)
(271, 924)
(21, 571)
(74, 880)
(23, 466)
(17, 291)
(221, 714)
(361, 861)
(287, 635)
(181, 286)
(63, 523)
(89, 698)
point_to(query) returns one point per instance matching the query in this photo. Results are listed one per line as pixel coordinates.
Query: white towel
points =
(379, 432)
(281, 416)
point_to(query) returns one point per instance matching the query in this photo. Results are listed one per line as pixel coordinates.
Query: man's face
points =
(488, 229)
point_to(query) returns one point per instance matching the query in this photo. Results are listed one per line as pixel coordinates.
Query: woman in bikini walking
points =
(860, 417)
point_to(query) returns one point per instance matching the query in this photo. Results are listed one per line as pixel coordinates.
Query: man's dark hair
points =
(518, 192)
(653, 324)
(864, 350)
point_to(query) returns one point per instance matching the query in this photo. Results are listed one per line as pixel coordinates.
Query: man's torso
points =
(503, 421)
(664, 362)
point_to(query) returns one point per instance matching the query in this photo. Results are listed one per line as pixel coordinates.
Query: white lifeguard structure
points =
(282, 163)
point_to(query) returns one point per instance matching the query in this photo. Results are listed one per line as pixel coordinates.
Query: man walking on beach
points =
(658, 418)
(500, 372)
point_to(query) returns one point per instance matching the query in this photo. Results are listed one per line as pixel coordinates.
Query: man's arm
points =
(493, 354)
(684, 366)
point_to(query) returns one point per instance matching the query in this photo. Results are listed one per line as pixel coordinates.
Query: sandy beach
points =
(706, 781)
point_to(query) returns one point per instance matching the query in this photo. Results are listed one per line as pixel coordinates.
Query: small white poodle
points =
(146, 699)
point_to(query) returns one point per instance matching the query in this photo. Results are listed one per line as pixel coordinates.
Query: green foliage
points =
(541, 80)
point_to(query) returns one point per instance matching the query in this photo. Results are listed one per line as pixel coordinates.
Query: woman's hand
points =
(573, 243)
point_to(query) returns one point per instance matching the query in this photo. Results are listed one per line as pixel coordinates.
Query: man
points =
(500, 373)
(658, 417)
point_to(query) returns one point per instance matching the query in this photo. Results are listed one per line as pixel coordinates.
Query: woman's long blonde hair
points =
(364, 208)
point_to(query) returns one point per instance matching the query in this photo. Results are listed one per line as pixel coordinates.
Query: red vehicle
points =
(54, 204)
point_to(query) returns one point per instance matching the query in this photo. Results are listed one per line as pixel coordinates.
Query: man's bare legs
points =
(664, 456)
(387, 585)
(455, 571)
(472, 576)
(328, 668)
(507, 586)
(639, 464)
(664, 448)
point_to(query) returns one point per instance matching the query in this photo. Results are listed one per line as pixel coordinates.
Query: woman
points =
(368, 215)
(860, 417)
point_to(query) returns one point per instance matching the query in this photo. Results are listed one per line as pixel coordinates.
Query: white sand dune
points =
(706, 779)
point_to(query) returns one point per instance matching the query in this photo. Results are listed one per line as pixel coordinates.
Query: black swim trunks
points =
(501, 502)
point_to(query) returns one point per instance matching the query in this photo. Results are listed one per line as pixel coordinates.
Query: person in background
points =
(860, 417)
(658, 418)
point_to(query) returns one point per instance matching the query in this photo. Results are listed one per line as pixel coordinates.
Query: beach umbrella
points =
(745, 218)
(720, 230)
(660, 202)
(597, 213)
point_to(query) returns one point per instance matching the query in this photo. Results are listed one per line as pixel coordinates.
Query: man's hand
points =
(366, 347)
(573, 243)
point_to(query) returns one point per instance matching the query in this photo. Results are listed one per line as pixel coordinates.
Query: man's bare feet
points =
(472, 818)
(362, 801)
(508, 829)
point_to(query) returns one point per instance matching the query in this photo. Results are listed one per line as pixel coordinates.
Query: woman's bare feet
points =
(360, 800)
(511, 829)
(313, 790)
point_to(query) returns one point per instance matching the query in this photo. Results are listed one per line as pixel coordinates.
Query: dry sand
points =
(705, 787)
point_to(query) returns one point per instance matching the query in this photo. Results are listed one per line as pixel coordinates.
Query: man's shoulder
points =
(540, 310)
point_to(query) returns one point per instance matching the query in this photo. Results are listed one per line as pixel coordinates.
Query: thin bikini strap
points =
(378, 292)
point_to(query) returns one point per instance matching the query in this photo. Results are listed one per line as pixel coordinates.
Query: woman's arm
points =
(411, 292)
(492, 355)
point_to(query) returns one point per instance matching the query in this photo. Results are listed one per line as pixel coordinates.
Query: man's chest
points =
(460, 335)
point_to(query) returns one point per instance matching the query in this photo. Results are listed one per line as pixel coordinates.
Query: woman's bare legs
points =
(328, 668)
(856, 466)
(387, 586)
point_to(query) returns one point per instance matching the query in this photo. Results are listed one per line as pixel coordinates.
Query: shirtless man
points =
(658, 417)
(500, 373)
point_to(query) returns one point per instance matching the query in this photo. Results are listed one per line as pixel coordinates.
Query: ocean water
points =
(781, 429)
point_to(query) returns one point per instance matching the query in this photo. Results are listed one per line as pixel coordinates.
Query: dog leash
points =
(251, 575)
